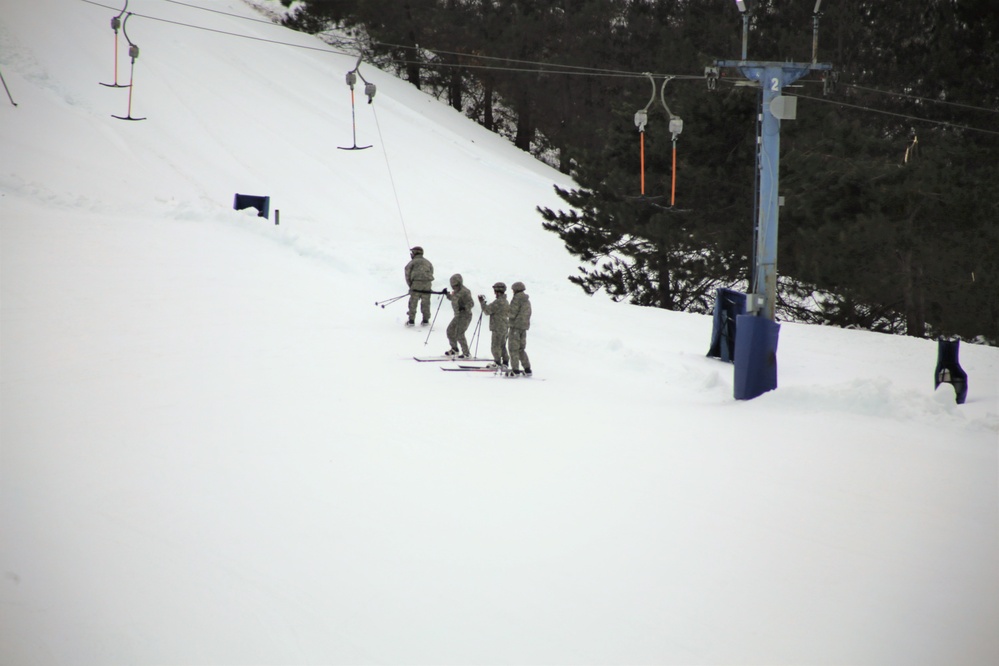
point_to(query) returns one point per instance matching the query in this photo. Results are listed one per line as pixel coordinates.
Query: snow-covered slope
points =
(214, 448)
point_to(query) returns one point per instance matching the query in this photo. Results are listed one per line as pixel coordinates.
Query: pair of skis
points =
(466, 365)
(464, 361)
(463, 364)
(491, 369)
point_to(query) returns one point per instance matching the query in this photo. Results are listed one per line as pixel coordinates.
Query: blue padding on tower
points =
(949, 370)
(729, 304)
(755, 356)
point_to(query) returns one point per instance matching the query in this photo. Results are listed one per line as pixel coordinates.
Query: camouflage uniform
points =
(419, 278)
(520, 321)
(462, 304)
(499, 322)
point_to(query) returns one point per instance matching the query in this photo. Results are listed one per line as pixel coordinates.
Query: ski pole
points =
(389, 301)
(477, 332)
(434, 321)
(7, 89)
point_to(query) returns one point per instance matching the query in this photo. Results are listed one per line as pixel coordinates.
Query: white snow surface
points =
(217, 450)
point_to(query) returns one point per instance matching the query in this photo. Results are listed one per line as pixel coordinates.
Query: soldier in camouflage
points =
(419, 278)
(462, 304)
(499, 323)
(520, 321)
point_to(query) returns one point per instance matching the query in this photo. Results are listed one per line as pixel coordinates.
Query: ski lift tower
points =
(756, 351)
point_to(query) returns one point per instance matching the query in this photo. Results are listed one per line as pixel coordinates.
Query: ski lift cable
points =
(388, 167)
(551, 68)
(580, 68)
(433, 50)
(589, 72)
(569, 68)
(897, 115)
(216, 11)
(537, 70)
(225, 32)
(860, 107)
(921, 99)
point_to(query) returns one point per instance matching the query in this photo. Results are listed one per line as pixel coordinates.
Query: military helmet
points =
(500, 287)
(415, 250)
(518, 286)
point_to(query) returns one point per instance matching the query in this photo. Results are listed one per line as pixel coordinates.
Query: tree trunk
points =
(413, 67)
(525, 126)
(665, 295)
(454, 91)
(487, 104)
(913, 299)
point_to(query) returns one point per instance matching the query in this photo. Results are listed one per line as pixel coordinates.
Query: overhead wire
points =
(225, 32)
(551, 68)
(593, 71)
(896, 114)
(534, 67)
(559, 68)
(922, 99)
(218, 11)
(388, 167)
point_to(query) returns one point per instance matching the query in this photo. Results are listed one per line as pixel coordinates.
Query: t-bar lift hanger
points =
(115, 24)
(133, 52)
(369, 90)
(675, 128)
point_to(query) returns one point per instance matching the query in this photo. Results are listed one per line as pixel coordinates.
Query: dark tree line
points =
(890, 173)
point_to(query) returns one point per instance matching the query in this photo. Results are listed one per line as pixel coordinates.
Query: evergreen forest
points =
(889, 172)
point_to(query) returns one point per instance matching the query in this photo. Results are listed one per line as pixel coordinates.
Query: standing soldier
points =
(499, 323)
(520, 321)
(462, 304)
(419, 278)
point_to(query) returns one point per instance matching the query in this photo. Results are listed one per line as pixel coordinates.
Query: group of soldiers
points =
(508, 320)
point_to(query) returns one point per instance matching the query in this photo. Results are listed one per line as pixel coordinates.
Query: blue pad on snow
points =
(949, 370)
(262, 204)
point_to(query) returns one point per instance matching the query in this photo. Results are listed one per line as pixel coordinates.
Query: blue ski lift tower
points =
(756, 340)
